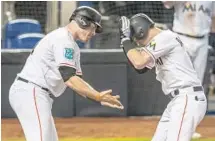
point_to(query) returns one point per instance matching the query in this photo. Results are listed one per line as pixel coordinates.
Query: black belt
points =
(26, 81)
(176, 92)
(198, 37)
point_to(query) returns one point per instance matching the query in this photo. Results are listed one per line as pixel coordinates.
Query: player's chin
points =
(85, 40)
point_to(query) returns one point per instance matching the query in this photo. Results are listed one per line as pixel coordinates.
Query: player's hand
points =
(107, 99)
(124, 25)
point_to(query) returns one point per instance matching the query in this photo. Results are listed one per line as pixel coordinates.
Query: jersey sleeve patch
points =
(69, 53)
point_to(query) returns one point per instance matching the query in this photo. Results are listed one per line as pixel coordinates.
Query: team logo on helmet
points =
(83, 22)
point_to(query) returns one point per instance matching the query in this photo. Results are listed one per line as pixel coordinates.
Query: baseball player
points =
(192, 22)
(146, 47)
(52, 66)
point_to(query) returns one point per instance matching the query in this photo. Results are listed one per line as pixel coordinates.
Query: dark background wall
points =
(140, 94)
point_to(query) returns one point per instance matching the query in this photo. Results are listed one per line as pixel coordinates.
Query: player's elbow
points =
(70, 81)
(141, 61)
(168, 4)
(67, 74)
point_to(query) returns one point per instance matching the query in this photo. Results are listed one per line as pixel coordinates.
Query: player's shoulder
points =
(57, 33)
(165, 36)
(61, 36)
(165, 39)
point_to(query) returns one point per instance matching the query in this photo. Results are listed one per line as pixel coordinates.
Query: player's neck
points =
(152, 33)
(73, 30)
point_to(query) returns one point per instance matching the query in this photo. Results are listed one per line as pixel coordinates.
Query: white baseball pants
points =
(181, 117)
(32, 106)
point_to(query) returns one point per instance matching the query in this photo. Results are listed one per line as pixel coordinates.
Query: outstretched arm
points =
(84, 89)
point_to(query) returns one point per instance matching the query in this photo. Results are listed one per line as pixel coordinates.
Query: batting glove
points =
(125, 31)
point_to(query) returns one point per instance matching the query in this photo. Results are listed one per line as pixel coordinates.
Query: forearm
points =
(171, 4)
(168, 4)
(137, 58)
(82, 88)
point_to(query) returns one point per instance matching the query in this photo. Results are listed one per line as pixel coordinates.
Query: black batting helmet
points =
(85, 15)
(140, 24)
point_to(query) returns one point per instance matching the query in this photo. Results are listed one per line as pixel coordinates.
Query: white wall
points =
(67, 7)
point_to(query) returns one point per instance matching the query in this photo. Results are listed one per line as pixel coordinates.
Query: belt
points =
(197, 37)
(177, 91)
(26, 81)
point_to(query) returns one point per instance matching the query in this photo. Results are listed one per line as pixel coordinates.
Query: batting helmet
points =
(85, 15)
(140, 25)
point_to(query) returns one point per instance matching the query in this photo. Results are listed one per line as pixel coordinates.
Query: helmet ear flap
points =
(140, 25)
(85, 15)
(82, 21)
(139, 33)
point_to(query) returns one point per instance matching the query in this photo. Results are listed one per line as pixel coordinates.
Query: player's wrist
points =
(128, 45)
(98, 97)
(124, 39)
(94, 96)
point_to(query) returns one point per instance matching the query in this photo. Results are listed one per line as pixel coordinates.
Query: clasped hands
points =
(106, 99)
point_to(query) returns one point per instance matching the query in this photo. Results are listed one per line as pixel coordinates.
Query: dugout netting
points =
(111, 10)
(33, 10)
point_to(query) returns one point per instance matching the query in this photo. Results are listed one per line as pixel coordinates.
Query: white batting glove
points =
(124, 29)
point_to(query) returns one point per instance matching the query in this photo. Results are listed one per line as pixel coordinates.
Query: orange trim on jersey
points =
(67, 64)
(182, 119)
(38, 116)
(79, 73)
(152, 57)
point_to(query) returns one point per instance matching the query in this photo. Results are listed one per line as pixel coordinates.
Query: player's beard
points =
(88, 37)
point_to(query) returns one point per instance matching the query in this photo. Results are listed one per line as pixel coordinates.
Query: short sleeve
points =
(64, 55)
(160, 46)
(157, 50)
